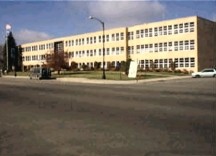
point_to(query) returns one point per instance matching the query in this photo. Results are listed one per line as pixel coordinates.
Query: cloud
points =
(126, 13)
(214, 17)
(26, 36)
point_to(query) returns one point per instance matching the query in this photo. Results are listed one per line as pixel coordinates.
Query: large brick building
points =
(189, 42)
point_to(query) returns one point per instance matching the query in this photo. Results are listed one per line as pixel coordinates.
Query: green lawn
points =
(110, 75)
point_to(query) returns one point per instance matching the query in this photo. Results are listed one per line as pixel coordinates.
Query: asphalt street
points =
(164, 118)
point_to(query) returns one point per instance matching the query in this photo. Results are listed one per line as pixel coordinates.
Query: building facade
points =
(189, 43)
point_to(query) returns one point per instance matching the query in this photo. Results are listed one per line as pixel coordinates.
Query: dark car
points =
(40, 73)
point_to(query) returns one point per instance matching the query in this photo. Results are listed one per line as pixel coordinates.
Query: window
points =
(146, 32)
(192, 62)
(91, 52)
(122, 49)
(170, 46)
(165, 30)
(156, 63)
(108, 51)
(137, 34)
(175, 29)
(186, 45)
(181, 60)
(186, 27)
(146, 48)
(66, 44)
(113, 37)
(113, 51)
(156, 47)
(142, 48)
(107, 38)
(130, 35)
(187, 62)
(83, 41)
(161, 63)
(160, 31)
(155, 31)
(176, 62)
(142, 33)
(117, 50)
(176, 45)
(99, 52)
(181, 45)
(117, 37)
(122, 36)
(99, 38)
(138, 49)
(191, 44)
(130, 49)
(180, 28)
(150, 32)
(95, 39)
(191, 26)
(95, 52)
(150, 47)
(165, 46)
(170, 30)
(160, 47)
(165, 63)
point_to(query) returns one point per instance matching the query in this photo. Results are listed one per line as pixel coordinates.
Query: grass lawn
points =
(115, 75)
(110, 75)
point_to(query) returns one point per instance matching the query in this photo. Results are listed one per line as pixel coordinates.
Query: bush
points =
(185, 71)
(177, 71)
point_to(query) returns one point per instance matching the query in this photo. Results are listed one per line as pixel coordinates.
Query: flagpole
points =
(7, 51)
(8, 29)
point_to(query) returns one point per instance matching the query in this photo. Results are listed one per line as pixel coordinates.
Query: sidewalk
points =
(101, 81)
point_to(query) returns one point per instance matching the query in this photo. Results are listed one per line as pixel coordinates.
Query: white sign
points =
(133, 69)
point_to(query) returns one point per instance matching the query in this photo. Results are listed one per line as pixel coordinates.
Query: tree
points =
(57, 60)
(173, 65)
(11, 55)
(97, 65)
(74, 65)
(125, 66)
(1, 56)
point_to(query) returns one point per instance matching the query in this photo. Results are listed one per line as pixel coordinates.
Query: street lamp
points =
(90, 17)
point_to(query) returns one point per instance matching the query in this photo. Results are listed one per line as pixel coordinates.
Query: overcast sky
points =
(40, 20)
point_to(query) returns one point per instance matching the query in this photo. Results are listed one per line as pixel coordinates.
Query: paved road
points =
(165, 118)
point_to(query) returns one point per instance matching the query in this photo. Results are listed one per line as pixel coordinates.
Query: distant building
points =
(189, 43)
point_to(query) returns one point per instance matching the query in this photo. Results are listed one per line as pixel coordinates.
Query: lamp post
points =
(103, 38)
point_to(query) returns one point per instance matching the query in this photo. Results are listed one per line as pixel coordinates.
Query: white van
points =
(40, 73)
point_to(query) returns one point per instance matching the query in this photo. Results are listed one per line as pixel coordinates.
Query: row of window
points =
(40, 47)
(156, 47)
(95, 39)
(162, 30)
(142, 33)
(34, 58)
(166, 63)
(157, 63)
(97, 52)
(163, 47)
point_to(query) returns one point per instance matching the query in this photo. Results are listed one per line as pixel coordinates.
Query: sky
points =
(40, 20)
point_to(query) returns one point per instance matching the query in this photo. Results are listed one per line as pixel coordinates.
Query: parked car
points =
(40, 73)
(207, 72)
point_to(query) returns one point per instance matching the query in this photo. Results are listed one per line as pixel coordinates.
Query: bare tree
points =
(57, 60)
